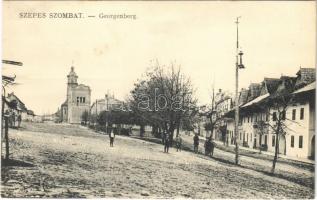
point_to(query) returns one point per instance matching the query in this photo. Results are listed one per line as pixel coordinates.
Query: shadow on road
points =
(16, 163)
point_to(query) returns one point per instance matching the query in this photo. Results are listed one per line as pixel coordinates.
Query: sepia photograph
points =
(158, 99)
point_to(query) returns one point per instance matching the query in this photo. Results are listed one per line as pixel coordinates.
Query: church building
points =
(77, 100)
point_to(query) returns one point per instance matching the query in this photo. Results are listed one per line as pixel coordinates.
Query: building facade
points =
(257, 120)
(107, 104)
(77, 100)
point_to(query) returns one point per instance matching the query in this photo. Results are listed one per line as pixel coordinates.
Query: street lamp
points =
(239, 65)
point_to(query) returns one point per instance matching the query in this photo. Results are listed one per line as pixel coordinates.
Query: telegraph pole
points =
(5, 81)
(237, 66)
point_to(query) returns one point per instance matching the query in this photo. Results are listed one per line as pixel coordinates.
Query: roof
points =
(254, 91)
(305, 76)
(271, 84)
(21, 104)
(30, 112)
(65, 103)
(309, 87)
(243, 96)
(257, 100)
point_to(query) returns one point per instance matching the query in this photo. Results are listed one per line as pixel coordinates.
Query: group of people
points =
(14, 118)
(209, 145)
(166, 140)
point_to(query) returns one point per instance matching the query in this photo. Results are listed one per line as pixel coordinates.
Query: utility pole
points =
(6, 80)
(237, 66)
(96, 114)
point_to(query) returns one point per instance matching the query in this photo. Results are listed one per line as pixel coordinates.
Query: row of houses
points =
(15, 107)
(257, 119)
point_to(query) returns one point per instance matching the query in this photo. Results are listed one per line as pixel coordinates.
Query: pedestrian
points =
(207, 146)
(213, 145)
(111, 136)
(179, 142)
(13, 116)
(166, 142)
(196, 142)
(19, 120)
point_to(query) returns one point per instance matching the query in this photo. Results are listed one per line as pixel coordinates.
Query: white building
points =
(255, 124)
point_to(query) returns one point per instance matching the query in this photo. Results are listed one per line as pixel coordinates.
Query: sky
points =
(110, 55)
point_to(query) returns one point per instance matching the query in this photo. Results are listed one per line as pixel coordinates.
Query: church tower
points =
(72, 77)
(71, 83)
(77, 99)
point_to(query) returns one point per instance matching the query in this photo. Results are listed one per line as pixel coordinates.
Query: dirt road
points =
(72, 161)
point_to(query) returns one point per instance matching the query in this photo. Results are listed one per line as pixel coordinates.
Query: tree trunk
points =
(276, 149)
(177, 132)
(142, 130)
(211, 133)
(260, 140)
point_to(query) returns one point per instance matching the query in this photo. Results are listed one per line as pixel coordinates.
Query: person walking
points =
(111, 136)
(196, 142)
(166, 142)
(19, 120)
(207, 146)
(179, 142)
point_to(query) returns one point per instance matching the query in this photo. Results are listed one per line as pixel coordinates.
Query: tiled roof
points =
(309, 87)
(305, 76)
(254, 91)
(271, 84)
(243, 96)
(286, 83)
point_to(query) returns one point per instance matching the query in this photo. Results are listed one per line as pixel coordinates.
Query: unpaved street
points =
(72, 161)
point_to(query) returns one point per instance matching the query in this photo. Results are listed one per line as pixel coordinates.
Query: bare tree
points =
(164, 98)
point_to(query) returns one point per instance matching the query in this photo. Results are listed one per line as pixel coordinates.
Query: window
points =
(267, 117)
(251, 118)
(274, 116)
(302, 113)
(300, 142)
(240, 136)
(248, 119)
(84, 99)
(292, 141)
(294, 114)
(273, 140)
